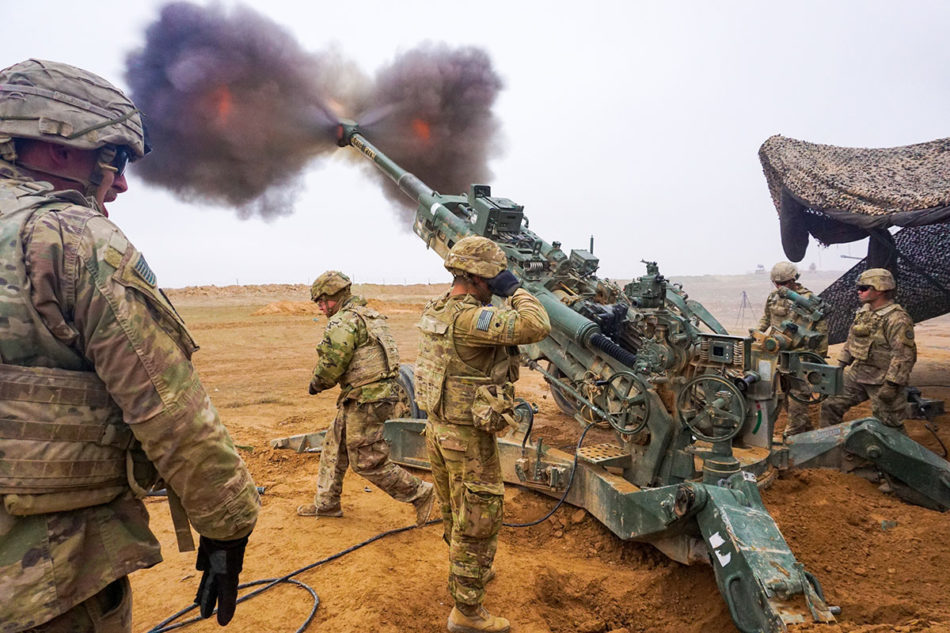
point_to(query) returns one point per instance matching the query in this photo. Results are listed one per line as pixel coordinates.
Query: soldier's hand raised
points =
(504, 284)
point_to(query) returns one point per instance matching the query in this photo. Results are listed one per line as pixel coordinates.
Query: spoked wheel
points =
(624, 398)
(712, 408)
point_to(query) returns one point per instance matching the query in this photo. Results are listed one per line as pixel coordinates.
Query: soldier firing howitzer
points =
(693, 408)
(678, 390)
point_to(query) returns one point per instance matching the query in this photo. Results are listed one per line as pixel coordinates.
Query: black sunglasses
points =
(121, 160)
(864, 288)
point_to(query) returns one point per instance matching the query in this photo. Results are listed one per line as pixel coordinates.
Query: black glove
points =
(313, 390)
(221, 562)
(504, 284)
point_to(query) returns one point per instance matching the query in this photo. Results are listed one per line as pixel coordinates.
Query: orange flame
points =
(421, 129)
(223, 103)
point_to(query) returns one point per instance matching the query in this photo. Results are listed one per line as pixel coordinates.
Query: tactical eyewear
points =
(863, 288)
(121, 160)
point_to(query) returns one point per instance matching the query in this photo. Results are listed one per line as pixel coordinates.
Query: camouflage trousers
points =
(109, 611)
(466, 472)
(854, 393)
(356, 439)
(796, 416)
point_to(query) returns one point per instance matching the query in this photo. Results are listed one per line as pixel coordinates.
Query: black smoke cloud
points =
(437, 120)
(236, 109)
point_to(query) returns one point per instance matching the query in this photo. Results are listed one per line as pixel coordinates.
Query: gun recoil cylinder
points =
(610, 348)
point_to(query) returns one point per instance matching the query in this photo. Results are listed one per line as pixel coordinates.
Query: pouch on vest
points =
(65, 444)
(378, 358)
(493, 408)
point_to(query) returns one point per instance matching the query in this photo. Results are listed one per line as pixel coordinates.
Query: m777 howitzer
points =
(692, 407)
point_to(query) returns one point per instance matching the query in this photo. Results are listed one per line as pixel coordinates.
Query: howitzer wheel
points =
(712, 408)
(564, 401)
(812, 397)
(625, 400)
(407, 406)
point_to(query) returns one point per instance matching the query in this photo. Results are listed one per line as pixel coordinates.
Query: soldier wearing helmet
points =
(467, 364)
(779, 311)
(358, 353)
(98, 389)
(879, 354)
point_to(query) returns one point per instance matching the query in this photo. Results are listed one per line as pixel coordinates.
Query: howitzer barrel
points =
(452, 228)
(407, 182)
(574, 325)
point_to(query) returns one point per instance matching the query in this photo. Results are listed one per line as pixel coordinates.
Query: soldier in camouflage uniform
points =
(879, 354)
(467, 363)
(98, 396)
(779, 309)
(358, 353)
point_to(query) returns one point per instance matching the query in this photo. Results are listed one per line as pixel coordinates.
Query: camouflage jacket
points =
(358, 352)
(880, 346)
(779, 309)
(96, 297)
(481, 342)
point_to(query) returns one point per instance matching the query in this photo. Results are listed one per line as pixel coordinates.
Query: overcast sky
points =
(638, 123)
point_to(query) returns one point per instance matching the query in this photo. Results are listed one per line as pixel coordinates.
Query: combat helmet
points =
(878, 278)
(328, 284)
(478, 256)
(783, 272)
(59, 103)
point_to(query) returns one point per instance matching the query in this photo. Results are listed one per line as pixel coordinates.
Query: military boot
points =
(424, 503)
(479, 621)
(311, 510)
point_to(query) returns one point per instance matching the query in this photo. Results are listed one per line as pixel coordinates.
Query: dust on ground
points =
(884, 562)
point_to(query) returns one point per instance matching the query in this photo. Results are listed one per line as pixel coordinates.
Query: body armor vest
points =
(378, 359)
(445, 384)
(63, 441)
(867, 341)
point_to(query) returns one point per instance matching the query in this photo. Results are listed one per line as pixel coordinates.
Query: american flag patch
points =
(484, 320)
(142, 268)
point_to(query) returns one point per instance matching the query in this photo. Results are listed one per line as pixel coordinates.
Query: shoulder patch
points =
(484, 320)
(142, 269)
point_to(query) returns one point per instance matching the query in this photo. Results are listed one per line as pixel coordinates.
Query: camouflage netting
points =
(841, 194)
(923, 280)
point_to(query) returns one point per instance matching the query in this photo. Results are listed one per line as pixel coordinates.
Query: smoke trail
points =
(234, 107)
(432, 111)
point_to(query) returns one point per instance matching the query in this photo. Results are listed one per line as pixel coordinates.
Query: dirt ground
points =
(884, 562)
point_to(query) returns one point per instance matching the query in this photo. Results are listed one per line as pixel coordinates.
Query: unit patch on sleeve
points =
(142, 268)
(484, 320)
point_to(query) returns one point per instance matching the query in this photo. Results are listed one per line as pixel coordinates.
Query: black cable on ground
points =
(161, 627)
(165, 625)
